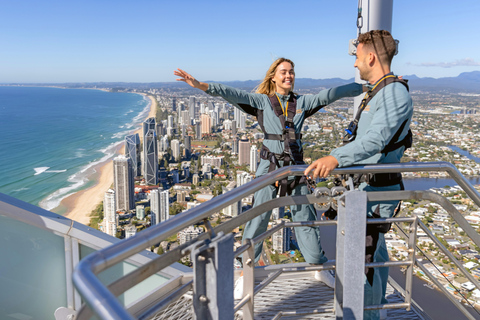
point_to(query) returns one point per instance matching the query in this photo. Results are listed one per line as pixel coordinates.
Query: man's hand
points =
(322, 167)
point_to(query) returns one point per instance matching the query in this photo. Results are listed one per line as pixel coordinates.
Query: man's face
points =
(361, 62)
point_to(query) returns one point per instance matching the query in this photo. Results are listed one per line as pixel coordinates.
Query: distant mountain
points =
(465, 82)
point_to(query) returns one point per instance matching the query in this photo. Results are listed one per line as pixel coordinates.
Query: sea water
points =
(52, 138)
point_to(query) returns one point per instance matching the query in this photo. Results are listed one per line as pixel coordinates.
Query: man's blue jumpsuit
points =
(259, 104)
(378, 123)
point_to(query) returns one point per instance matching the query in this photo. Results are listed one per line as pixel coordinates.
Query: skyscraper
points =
(175, 150)
(253, 158)
(244, 151)
(198, 132)
(281, 239)
(188, 146)
(150, 158)
(170, 123)
(147, 125)
(242, 125)
(234, 128)
(174, 104)
(160, 129)
(236, 116)
(191, 107)
(206, 122)
(110, 213)
(132, 150)
(123, 183)
(186, 118)
(235, 145)
(159, 205)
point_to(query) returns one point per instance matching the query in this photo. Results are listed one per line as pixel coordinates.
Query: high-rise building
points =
(235, 145)
(147, 125)
(278, 213)
(188, 234)
(181, 196)
(198, 132)
(163, 144)
(187, 141)
(253, 158)
(175, 176)
(234, 128)
(206, 122)
(176, 150)
(244, 151)
(191, 107)
(235, 208)
(123, 182)
(160, 129)
(132, 150)
(281, 239)
(243, 121)
(159, 205)
(236, 116)
(243, 177)
(195, 178)
(110, 213)
(186, 118)
(150, 158)
(174, 104)
(140, 212)
(170, 123)
(130, 231)
(227, 124)
(214, 161)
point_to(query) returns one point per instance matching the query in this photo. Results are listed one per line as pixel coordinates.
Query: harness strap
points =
(269, 136)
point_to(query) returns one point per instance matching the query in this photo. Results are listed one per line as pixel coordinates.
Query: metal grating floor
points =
(291, 293)
(301, 293)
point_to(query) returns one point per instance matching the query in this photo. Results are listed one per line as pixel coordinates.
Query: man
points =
(379, 134)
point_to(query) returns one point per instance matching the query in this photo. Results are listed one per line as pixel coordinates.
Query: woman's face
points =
(284, 78)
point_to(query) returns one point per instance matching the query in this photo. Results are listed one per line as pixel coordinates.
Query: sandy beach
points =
(80, 204)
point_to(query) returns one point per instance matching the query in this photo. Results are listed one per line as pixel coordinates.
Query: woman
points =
(280, 114)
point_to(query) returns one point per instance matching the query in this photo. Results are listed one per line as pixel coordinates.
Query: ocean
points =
(52, 138)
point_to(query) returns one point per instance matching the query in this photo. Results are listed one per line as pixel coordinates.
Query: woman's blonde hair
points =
(267, 86)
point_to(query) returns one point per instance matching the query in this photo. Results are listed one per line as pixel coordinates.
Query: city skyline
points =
(60, 42)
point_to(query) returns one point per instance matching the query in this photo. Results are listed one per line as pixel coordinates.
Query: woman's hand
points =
(187, 78)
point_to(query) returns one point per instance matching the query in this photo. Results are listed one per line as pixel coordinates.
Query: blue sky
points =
(145, 40)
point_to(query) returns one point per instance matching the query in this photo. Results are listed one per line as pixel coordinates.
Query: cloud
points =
(467, 62)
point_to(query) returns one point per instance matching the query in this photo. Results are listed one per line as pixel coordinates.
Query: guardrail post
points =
(350, 256)
(213, 279)
(249, 279)
(412, 243)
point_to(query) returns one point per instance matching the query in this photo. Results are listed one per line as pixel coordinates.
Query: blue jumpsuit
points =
(259, 104)
(378, 123)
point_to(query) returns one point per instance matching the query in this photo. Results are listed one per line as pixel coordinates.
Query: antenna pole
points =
(374, 15)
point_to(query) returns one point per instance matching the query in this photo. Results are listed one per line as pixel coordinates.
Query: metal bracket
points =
(213, 279)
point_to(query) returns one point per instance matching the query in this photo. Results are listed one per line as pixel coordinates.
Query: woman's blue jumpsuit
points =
(259, 104)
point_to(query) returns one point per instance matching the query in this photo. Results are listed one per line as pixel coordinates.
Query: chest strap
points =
(269, 136)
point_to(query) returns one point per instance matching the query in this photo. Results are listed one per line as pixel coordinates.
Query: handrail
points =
(104, 303)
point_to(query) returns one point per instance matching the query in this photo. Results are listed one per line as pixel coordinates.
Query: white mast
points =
(372, 15)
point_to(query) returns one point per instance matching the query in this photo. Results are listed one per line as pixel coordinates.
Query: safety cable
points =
(456, 289)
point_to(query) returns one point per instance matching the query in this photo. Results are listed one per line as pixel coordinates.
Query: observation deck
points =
(52, 266)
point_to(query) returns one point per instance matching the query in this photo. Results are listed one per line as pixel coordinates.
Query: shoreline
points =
(79, 205)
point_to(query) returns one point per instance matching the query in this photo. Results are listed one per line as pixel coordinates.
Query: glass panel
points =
(119, 270)
(32, 271)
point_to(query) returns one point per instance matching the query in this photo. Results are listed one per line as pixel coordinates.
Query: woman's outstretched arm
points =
(187, 78)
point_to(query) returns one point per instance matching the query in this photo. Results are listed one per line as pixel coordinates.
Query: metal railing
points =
(103, 302)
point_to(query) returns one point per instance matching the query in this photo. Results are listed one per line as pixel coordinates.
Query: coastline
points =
(79, 205)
